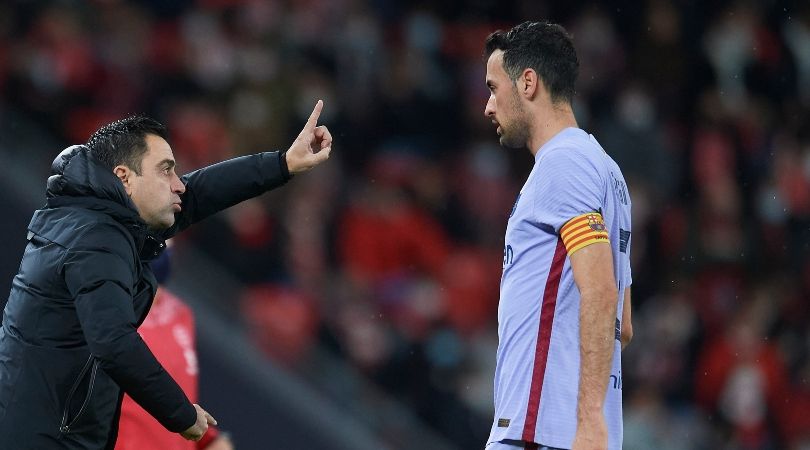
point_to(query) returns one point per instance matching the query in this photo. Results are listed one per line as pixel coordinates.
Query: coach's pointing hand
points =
(197, 431)
(312, 146)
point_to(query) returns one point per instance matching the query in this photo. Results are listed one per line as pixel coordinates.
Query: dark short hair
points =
(543, 46)
(123, 142)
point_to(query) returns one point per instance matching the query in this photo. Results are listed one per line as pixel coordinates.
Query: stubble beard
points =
(515, 134)
(162, 222)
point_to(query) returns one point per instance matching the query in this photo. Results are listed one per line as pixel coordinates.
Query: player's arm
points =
(627, 319)
(569, 197)
(593, 273)
(222, 185)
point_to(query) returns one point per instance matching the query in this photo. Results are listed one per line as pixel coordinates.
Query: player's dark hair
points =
(543, 46)
(123, 142)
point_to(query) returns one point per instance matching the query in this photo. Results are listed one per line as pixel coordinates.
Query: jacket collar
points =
(79, 180)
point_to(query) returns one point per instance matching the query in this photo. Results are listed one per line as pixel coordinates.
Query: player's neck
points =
(548, 124)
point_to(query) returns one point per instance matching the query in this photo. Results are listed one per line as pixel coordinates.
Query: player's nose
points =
(489, 109)
(177, 185)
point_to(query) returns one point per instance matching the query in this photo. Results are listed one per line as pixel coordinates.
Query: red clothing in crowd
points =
(169, 332)
(376, 243)
(742, 376)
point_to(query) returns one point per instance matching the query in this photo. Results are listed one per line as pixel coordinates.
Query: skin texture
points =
(526, 117)
(156, 190)
(593, 274)
(535, 118)
(197, 431)
(512, 122)
(312, 146)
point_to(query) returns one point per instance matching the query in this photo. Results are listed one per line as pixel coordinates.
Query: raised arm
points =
(222, 185)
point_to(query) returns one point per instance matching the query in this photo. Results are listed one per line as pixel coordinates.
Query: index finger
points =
(313, 118)
(210, 419)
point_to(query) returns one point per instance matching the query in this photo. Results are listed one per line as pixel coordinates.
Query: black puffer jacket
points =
(68, 342)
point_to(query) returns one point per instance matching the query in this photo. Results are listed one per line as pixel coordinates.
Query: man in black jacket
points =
(68, 342)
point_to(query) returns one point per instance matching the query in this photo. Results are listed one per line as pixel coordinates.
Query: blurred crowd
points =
(390, 255)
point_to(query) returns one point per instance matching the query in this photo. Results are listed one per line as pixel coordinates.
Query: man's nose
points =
(489, 110)
(177, 185)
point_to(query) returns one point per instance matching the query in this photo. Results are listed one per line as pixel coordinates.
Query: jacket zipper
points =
(64, 427)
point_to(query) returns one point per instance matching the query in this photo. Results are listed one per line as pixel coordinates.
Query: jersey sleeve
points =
(569, 198)
(628, 274)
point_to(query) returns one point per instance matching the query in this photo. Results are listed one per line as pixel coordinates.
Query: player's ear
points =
(530, 83)
(124, 174)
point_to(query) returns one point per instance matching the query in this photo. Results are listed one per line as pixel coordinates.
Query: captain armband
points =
(582, 231)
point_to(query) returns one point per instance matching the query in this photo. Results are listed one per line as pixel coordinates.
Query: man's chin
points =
(506, 143)
(161, 225)
(168, 224)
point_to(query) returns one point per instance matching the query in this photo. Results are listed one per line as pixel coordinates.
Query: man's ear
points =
(529, 83)
(124, 174)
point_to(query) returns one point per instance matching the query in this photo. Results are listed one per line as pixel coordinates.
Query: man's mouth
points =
(177, 208)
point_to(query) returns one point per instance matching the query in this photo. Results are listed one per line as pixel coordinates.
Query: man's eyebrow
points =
(167, 162)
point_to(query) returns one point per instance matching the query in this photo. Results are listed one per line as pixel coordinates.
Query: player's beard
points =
(515, 132)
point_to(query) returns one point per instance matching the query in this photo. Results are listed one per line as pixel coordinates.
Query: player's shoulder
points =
(568, 158)
(571, 145)
(72, 226)
(106, 243)
(103, 234)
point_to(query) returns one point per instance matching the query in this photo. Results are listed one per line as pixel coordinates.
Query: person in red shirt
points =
(742, 379)
(169, 332)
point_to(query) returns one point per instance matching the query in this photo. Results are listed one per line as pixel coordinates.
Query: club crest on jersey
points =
(583, 230)
(596, 223)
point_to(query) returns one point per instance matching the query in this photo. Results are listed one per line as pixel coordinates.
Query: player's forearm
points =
(597, 319)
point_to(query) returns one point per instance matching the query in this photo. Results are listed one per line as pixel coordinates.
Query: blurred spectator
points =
(742, 378)
(383, 234)
(281, 321)
(169, 332)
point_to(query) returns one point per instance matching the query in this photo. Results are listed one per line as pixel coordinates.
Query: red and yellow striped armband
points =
(582, 231)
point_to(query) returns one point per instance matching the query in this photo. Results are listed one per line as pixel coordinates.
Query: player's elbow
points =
(627, 333)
